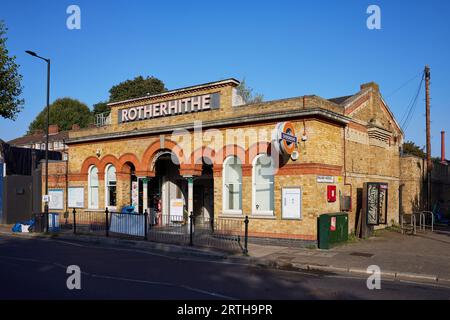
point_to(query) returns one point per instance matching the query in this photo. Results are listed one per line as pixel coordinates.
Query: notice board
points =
(76, 197)
(291, 203)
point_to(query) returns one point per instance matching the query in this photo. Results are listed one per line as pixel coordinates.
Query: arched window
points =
(232, 185)
(263, 185)
(93, 187)
(110, 182)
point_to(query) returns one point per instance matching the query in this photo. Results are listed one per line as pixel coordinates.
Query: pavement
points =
(422, 258)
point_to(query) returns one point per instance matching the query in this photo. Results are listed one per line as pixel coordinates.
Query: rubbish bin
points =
(332, 228)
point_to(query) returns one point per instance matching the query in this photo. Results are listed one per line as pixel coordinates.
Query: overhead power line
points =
(406, 119)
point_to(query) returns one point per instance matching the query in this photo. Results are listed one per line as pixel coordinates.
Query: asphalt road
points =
(36, 269)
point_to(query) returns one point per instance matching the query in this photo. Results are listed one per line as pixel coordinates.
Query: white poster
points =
(292, 203)
(176, 208)
(76, 197)
(56, 199)
(135, 195)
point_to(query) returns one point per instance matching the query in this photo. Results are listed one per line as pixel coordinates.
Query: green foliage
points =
(10, 87)
(410, 147)
(247, 93)
(136, 88)
(101, 107)
(64, 112)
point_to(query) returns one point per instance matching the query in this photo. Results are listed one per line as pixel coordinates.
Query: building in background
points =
(57, 140)
(21, 181)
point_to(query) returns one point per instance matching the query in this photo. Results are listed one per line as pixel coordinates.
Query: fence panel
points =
(89, 222)
(169, 229)
(221, 233)
(127, 225)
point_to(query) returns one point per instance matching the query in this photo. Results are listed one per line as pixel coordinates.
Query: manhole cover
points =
(361, 254)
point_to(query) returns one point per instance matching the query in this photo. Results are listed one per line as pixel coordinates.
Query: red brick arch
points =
(108, 159)
(154, 148)
(257, 149)
(230, 150)
(88, 162)
(203, 152)
(128, 158)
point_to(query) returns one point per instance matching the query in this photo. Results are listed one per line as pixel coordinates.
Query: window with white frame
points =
(232, 185)
(110, 180)
(93, 187)
(263, 185)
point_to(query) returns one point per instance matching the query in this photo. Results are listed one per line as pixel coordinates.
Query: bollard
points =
(246, 235)
(47, 223)
(191, 229)
(74, 221)
(145, 224)
(107, 221)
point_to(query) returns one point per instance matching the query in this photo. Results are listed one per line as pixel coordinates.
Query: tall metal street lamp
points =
(46, 131)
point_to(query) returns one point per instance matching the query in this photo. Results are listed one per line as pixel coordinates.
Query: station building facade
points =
(282, 163)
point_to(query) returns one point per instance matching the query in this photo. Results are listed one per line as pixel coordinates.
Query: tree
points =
(10, 87)
(410, 147)
(64, 112)
(101, 107)
(136, 88)
(247, 93)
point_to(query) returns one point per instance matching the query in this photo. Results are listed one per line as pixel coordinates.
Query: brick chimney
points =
(75, 127)
(53, 129)
(443, 161)
(372, 85)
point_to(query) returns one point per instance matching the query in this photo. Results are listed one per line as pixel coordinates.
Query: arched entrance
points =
(203, 201)
(167, 190)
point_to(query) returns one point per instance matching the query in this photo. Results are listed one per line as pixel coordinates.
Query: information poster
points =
(76, 197)
(56, 199)
(176, 208)
(292, 203)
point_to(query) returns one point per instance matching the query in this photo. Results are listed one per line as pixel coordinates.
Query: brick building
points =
(282, 162)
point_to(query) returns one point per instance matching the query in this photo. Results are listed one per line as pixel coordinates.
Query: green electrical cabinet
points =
(332, 228)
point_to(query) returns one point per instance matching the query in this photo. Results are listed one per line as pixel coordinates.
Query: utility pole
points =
(429, 163)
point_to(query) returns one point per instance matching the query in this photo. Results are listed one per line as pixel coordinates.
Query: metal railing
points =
(225, 234)
(103, 119)
(426, 220)
(408, 223)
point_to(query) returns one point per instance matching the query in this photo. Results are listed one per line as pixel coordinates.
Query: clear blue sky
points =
(282, 48)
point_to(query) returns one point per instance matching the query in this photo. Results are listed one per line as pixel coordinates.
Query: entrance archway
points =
(167, 191)
(203, 201)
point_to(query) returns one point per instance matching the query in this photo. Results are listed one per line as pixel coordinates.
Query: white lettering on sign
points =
(325, 179)
(168, 108)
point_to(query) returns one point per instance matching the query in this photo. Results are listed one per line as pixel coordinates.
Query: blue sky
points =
(282, 48)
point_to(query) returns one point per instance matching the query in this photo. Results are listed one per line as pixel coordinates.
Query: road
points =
(36, 269)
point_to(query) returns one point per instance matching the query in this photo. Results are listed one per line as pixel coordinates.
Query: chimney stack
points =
(53, 129)
(443, 161)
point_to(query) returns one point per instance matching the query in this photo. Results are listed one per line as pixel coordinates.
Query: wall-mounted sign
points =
(376, 203)
(170, 108)
(286, 138)
(325, 179)
(291, 207)
(56, 199)
(76, 197)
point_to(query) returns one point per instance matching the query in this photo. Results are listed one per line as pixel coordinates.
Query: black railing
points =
(222, 233)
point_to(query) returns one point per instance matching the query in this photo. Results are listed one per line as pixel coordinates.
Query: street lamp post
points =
(46, 131)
